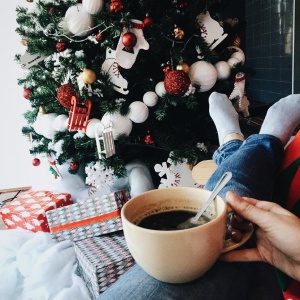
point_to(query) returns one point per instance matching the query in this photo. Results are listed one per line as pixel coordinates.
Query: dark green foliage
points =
(176, 123)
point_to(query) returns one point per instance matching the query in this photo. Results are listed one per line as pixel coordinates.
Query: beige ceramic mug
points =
(176, 256)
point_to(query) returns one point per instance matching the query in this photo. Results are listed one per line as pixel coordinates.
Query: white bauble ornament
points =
(44, 125)
(204, 74)
(232, 61)
(239, 54)
(138, 112)
(90, 128)
(223, 69)
(160, 89)
(60, 123)
(64, 27)
(150, 98)
(120, 124)
(78, 20)
(92, 6)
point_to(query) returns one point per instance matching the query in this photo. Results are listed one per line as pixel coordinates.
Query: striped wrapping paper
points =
(102, 260)
(88, 218)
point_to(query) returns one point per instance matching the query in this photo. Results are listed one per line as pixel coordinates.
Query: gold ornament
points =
(178, 33)
(24, 42)
(88, 76)
(183, 67)
(42, 110)
(237, 41)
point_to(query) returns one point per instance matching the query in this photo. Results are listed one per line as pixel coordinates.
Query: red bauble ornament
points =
(60, 46)
(74, 165)
(177, 82)
(64, 95)
(148, 21)
(36, 162)
(26, 93)
(129, 40)
(99, 37)
(51, 9)
(116, 6)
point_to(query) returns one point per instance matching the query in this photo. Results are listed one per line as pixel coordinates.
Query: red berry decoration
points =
(36, 162)
(116, 6)
(177, 82)
(74, 165)
(26, 93)
(129, 40)
(64, 95)
(60, 46)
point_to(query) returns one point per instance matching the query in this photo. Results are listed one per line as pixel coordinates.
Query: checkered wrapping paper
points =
(88, 218)
(29, 209)
(102, 260)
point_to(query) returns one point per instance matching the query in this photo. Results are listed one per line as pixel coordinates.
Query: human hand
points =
(277, 234)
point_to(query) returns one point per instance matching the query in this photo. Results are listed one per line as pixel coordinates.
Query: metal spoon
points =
(192, 222)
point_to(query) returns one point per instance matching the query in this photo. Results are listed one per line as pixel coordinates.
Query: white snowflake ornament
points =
(99, 176)
(174, 175)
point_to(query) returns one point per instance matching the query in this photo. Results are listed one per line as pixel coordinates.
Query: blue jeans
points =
(254, 164)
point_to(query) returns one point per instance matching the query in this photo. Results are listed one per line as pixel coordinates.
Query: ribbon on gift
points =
(88, 221)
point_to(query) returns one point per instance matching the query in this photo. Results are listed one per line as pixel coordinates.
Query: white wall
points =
(16, 167)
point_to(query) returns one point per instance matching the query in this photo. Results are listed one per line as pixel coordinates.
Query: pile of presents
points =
(94, 225)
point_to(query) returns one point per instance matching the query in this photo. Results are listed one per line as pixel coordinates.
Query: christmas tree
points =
(110, 82)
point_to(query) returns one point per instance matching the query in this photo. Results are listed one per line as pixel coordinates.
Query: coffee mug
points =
(176, 256)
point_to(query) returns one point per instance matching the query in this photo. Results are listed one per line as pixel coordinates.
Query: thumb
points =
(245, 209)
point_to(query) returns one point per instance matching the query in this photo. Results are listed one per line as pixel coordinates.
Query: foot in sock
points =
(224, 115)
(282, 118)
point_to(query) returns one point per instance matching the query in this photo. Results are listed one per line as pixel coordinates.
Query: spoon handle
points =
(221, 183)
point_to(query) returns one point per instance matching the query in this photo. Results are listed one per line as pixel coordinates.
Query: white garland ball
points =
(150, 98)
(61, 123)
(78, 20)
(138, 112)
(223, 69)
(92, 6)
(44, 125)
(232, 61)
(204, 74)
(160, 89)
(239, 54)
(120, 124)
(90, 128)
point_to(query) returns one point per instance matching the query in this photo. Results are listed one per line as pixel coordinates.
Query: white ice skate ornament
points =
(127, 58)
(175, 174)
(238, 97)
(211, 30)
(111, 66)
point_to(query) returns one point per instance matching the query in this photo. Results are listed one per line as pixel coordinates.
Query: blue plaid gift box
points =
(102, 260)
(88, 218)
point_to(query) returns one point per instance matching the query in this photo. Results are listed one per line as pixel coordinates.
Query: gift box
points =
(28, 210)
(88, 218)
(102, 260)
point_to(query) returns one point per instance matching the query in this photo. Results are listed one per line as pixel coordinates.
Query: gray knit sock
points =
(224, 115)
(282, 118)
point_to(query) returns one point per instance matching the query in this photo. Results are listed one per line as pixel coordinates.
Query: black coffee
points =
(168, 220)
